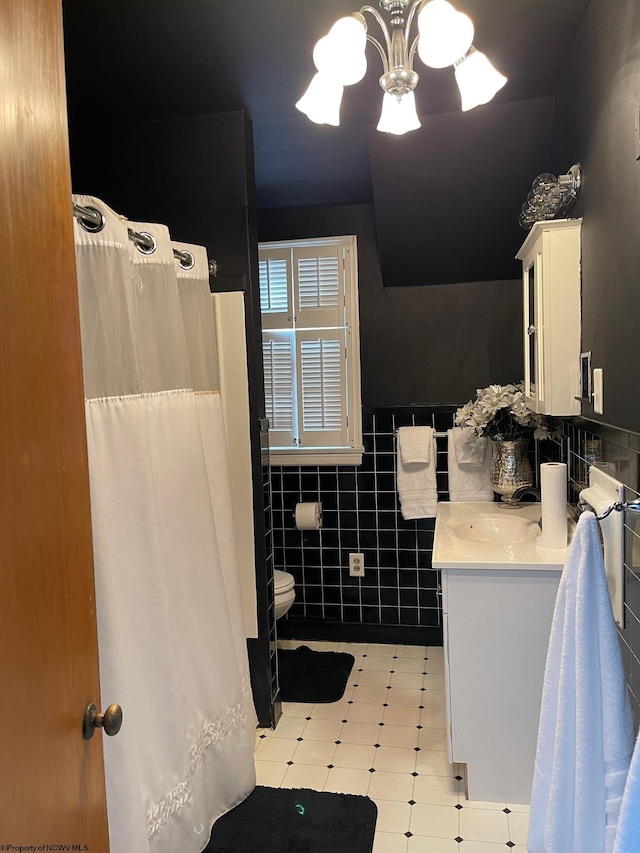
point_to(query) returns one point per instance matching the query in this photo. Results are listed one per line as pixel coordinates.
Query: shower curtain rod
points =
(93, 221)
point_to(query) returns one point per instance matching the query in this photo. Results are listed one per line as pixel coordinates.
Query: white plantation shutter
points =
(309, 305)
(279, 372)
(319, 282)
(322, 403)
(276, 302)
(319, 285)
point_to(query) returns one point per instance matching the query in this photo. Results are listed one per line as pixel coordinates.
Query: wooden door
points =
(52, 781)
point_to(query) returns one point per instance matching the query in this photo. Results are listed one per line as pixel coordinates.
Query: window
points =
(311, 351)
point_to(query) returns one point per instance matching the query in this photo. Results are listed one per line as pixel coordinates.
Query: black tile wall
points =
(400, 588)
(618, 453)
(361, 513)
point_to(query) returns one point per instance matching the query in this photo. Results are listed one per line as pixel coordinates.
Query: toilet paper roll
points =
(553, 495)
(308, 516)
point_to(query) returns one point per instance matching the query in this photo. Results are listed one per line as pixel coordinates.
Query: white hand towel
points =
(585, 735)
(415, 444)
(417, 484)
(469, 448)
(628, 834)
(468, 481)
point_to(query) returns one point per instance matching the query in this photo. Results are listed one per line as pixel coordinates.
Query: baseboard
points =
(407, 635)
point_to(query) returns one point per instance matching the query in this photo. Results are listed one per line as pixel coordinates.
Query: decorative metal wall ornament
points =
(551, 197)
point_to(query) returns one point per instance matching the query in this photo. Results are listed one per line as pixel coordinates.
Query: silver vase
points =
(510, 467)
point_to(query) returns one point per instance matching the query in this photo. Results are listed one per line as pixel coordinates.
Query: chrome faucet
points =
(526, 490)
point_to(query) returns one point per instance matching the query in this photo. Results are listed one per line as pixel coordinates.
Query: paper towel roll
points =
(553, 494)
(308, 516)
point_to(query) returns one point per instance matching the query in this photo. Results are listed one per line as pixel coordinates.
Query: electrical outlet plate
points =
(356, 565)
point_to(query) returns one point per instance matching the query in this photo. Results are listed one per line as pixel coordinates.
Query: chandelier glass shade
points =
(444, 38)
(477, 79)
(398, 115)
(321, 101)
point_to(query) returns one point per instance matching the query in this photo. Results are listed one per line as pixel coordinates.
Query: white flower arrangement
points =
(501, 412)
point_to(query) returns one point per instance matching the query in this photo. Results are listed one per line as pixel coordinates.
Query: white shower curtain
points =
(170, 632)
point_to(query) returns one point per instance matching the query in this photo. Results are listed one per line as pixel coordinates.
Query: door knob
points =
(110, 721)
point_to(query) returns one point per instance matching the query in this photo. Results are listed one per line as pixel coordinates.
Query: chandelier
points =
(444, 37)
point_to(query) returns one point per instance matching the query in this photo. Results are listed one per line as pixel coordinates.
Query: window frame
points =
(351, 452)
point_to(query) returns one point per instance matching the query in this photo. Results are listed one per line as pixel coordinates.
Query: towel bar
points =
(618, 506)
(437, 434)
(605, 496)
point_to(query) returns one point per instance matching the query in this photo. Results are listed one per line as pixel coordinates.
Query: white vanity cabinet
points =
(497, 624)
(551, 289)
(498, 598)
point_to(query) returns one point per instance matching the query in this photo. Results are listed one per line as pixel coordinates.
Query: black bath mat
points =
(285, 820)
(308, 676)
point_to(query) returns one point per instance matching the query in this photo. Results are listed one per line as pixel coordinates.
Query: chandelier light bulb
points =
(321, 101)
(398, 115)
(350, 33)
(477, 79)
(445, 34)
(341, 53)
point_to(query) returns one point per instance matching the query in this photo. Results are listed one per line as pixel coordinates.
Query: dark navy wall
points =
(595, 117)
(455, 218)
(419, 345)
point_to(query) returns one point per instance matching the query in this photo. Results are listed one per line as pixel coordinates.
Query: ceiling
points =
(137, 60)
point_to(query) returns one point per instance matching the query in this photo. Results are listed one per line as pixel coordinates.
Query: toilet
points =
(284, 591)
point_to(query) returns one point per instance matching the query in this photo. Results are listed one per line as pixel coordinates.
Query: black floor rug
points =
(308, 676)
(284, 820)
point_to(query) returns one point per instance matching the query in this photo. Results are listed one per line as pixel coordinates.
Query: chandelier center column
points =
(400, 79)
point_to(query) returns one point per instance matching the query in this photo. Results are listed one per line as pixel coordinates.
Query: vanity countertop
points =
(450, 551)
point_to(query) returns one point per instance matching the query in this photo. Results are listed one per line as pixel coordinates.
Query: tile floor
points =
(386, 738)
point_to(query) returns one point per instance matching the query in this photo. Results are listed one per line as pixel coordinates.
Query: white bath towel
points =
(585, 736)
(628, 833)
(415, 443)
(417, 484)
(468, 481)
(469, 448)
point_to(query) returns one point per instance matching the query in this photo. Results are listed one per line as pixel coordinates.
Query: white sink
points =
(486, 535)
(494, 529)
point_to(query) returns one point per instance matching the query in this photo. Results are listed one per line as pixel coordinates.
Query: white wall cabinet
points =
(496, 633)
(551, 289)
